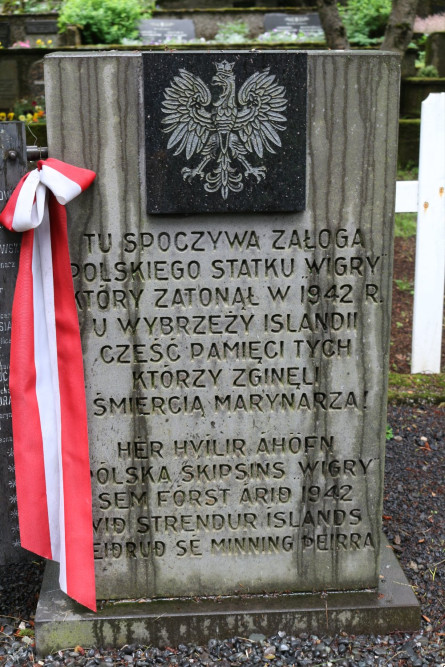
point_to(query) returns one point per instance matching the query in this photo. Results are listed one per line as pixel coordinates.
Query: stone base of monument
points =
(60, 622)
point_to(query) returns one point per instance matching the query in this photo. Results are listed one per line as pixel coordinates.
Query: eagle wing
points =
(260, 119)
(185, 114)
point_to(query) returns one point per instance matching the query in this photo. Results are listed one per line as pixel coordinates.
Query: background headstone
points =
(435, 52)
(45, 30)
(235, 364)
(4, 35)
(156, 31)
(9, 83)
(41, 27)
(36, 81)
(12, 138)
(308, 24)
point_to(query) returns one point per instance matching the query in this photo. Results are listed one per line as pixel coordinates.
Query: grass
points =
(404, 388)
(405, 223)
(405, 285)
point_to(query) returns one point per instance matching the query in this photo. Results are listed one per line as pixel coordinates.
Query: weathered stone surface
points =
(235, 364)
(61, 622)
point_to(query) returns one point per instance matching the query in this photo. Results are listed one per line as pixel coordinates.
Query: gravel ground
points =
(413, 520)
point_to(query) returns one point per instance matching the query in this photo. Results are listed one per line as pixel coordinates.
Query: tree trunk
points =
(9, 7)
(399, 30)
(332, 24)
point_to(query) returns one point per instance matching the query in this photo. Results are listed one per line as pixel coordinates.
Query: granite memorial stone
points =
(235, 353)
(41, 27)
(157, 31)
(40, 31)
(236, 364)
(307, 24)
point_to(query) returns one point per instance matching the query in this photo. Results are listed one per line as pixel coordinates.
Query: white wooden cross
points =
(427, 197)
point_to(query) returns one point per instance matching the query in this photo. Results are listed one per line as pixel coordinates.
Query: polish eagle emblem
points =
(224, 131)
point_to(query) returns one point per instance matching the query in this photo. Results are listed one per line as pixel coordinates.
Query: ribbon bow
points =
(49, 417)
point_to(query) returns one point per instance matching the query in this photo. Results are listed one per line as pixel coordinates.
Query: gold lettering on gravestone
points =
(182, 343)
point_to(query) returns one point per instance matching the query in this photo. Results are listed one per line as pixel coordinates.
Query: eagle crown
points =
(224, 75)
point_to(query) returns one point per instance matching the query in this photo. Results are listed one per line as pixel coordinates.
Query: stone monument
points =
(157, 31)
(12, 168)
(232, 267)
(307, 24)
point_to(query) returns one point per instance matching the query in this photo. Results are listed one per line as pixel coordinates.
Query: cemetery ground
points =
(413, 513)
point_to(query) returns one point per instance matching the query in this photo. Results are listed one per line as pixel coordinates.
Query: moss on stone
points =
(405, 388)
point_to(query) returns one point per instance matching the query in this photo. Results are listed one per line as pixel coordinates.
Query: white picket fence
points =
(427, 197)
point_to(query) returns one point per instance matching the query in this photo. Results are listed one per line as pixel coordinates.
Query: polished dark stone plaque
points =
(41, 27)
(225, 132)
(308, 24)
(157, 31)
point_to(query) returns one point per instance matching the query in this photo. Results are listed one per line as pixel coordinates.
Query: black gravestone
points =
(308, 24)
(4, 35)
(12, 138)
(157, 31)
(34, 27)
(225, 132)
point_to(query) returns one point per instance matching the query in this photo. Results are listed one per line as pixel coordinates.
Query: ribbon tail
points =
(77, 566)
(49, 414)
(26, 423)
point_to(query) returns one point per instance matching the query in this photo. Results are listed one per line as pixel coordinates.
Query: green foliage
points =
(428, 71)
(410, 172)
(405, 224)
(233, 32)
(276, 36)
(26, 632)
(28, 106)
(389, 432)
(29, 6)
(405, 285)
(365, 20)
(102, 21)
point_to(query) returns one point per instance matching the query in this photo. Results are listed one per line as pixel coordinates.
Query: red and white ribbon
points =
(49, 416)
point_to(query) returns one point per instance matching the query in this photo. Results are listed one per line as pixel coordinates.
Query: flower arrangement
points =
(21, 45)
(41, 44)
(433, 23)
(37, 117)
(28, 111)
